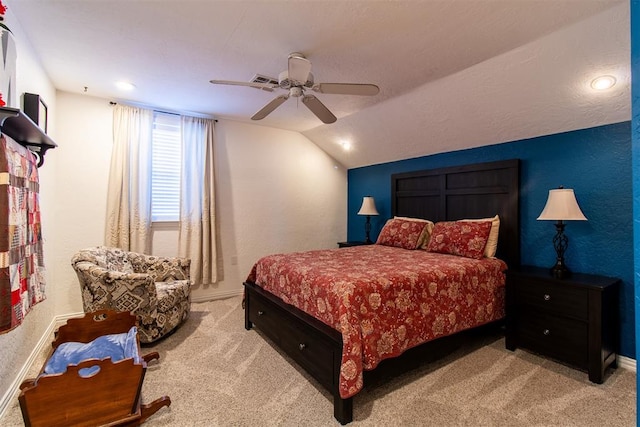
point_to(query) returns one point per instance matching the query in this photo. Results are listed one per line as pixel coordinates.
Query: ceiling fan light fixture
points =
(603, 82)
(285, 83)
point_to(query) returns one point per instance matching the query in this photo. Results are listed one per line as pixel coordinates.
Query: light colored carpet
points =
(219, 374)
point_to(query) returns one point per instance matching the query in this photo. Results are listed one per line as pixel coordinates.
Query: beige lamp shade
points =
(368, 206)
(562, 206)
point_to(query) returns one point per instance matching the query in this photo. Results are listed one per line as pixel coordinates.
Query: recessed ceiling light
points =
(122, 85)
(346, 145)
(603, 82)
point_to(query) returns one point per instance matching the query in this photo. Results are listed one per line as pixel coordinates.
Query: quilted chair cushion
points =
(114, 259)
(161, 269)
(173, 307)
(156, 289)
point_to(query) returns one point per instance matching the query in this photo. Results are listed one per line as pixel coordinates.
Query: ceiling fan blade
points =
(264, 86)
(318, 109)
(267, 109)
(347, 88)
(299, 68)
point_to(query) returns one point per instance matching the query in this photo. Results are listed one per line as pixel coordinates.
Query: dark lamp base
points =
(560, 271)
(560, 244)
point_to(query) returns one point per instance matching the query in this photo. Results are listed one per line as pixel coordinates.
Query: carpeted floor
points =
(219, 374)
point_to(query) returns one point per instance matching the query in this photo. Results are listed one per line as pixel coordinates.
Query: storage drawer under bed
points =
(310, 348)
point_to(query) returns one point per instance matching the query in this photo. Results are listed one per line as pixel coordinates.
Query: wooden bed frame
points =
(471, 191)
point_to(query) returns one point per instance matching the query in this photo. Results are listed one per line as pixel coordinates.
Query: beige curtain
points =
(128, 224)
(197, 238)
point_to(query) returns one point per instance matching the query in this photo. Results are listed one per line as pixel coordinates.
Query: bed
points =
(332, 331)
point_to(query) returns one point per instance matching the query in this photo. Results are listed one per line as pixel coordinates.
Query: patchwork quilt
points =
(21, 260)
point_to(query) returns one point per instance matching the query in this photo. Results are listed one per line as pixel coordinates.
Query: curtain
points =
(196, 238)
(128, 224)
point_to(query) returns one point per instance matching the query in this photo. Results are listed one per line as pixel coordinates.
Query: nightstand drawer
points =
(558, 337)
(553, 298)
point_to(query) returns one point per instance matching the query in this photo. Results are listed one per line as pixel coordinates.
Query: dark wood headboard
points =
(480, 190)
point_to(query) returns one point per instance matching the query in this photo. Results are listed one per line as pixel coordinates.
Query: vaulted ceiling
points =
(453, 74)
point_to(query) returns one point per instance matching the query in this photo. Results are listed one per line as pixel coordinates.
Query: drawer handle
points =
(260, 312)
(546, 332)
(547, 297)
(302, 346)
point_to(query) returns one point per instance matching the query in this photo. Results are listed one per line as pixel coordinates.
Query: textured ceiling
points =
(453, 74)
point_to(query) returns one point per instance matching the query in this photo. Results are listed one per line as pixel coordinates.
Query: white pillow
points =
(492, 242)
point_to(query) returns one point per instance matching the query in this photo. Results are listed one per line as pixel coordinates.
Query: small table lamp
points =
(561, 206)
(368, 208)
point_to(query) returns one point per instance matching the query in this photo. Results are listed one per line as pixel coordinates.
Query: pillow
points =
(492, 243)
(402, 233)
(462, 238)
(427, 230)
(115, 346)
(407, 218)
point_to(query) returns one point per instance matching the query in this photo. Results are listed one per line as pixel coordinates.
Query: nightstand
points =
(353, 243)
(572, 320)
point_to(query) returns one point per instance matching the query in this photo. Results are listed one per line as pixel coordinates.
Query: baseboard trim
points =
(43, 342)
(627, 363)
(217, 295)
(22, 374)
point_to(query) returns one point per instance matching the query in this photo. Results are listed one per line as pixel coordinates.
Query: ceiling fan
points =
(295, 80)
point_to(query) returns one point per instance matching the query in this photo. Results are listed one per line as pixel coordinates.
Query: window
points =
(165, 167)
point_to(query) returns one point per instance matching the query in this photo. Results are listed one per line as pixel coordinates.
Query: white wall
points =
(275, 192)
(17, 345)
(82, 159)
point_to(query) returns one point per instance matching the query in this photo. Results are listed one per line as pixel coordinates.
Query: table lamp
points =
(368, 208)
(561, 206)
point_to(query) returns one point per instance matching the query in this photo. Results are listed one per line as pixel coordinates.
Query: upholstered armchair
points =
(156, 289)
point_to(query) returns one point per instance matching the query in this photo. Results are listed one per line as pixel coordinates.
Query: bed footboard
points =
(313, 345)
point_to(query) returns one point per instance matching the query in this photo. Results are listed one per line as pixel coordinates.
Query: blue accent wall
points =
(595, 162)
(635, 155)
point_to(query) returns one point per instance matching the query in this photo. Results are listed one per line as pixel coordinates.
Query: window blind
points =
(165, 168)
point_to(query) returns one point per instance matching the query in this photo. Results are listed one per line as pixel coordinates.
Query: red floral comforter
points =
(385, 300)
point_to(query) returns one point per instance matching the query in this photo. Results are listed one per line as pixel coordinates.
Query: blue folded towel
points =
(116, 346)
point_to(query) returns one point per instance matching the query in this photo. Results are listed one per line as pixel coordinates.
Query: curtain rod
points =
(176, 113)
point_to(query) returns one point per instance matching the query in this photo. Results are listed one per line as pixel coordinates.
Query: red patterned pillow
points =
(462, 238)
(402, 233)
